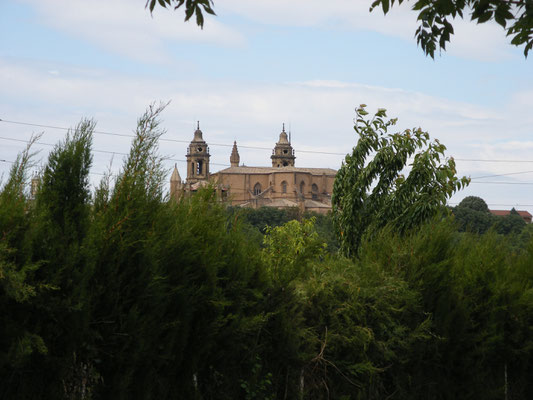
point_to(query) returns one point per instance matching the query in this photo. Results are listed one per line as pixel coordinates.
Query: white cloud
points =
(320, 112)
(126, 27)
(484, 42)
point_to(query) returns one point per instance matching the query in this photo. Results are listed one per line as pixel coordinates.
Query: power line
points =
(164, 139)
(510, 173)
(242, 146)
(226, 165)
(500, 205)
(503, 183)
(495, 161)
(99, 173)
(251, 147)
(97, 151)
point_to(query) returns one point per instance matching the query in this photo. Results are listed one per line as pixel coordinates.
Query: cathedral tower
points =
(283, 154)
(197, 158)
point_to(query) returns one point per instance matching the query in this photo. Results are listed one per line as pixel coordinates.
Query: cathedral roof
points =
(271, 170)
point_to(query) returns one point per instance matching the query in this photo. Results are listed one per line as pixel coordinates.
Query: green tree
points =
(18, 286)
(472, 214)
(57, 240)
(477, 294)
(371, 189)
(263, 217)
(509, 224)
(367, 326)
(289, 249)
(47, 259)
(435, 29)
(474, 203)
(176, 290)
(290, 252)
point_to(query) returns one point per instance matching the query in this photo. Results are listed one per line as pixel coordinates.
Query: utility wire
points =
(495, 161)
(99, 173)
(226, 165)
(98, 151)
(165, 139)
(499, 205)
(241, 146)
(249, 147)
(510, 173)
(503, 183)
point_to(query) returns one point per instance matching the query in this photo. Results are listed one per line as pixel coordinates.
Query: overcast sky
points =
(259, 64)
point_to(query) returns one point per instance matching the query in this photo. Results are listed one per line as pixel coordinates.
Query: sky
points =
(259, 64)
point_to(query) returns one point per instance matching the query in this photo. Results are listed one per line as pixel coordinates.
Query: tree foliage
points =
(289, 248)
(435, 29)
(192, 7)
(509, 224)
(474, 203)
(475, 290)
(371, 189)
(473, 215)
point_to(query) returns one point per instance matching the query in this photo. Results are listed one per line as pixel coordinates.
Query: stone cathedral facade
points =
(282, 185)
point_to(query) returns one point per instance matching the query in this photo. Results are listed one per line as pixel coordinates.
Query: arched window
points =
(192, 168)
(283, 187)
(199, 167)
(302, 187)
(314, 191)
(257, 189)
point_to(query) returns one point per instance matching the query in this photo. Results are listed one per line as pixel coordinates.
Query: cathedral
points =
(283, 185)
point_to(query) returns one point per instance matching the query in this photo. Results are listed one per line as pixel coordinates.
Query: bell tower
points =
(283, 153)
(197, 158)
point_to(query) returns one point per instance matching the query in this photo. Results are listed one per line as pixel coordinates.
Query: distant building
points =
(282, 185)
(526, 216)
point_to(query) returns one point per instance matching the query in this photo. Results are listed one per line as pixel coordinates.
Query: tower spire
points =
(234, 158)
(175, 183)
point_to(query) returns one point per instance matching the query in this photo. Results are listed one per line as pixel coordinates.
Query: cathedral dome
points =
(283, 139)
(198, 134)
